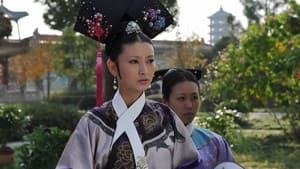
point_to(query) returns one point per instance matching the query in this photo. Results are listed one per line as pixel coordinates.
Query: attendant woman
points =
(181, 93)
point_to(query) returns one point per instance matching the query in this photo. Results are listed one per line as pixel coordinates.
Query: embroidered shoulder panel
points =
(105, 117)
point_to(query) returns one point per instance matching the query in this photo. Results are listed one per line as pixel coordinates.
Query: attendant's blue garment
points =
(213, 148)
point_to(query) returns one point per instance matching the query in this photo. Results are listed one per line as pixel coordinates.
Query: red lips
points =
(144, 81)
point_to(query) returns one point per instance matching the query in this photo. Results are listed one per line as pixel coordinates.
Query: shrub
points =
(52, 115)
(66, 100)
(12, 121)
(71, 97)
(87, 102)
(207, 106)
(243, 144)
(43, 148)
(221, 122)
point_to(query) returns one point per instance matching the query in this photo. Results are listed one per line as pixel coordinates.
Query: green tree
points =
(62, 13)
(173, 8)
(221, 44)
(264, 69)
(235, 25)
(255, 10)
(188, 55)
(75, 58)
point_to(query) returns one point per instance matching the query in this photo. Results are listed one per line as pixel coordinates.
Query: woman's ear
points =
(112, 67)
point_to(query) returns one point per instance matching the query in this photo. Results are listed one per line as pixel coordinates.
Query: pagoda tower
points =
(219, 26)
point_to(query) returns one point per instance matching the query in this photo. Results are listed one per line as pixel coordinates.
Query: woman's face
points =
(185, 100)
(137, 67)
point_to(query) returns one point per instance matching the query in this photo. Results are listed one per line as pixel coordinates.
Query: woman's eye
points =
(150, 61)
(180, 98)
(195, 98)
(133, 61)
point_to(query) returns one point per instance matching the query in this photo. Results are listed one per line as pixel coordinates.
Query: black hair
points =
(120, 38)
(173, 77)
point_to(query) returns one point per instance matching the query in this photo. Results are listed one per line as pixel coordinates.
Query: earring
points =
(115, 84)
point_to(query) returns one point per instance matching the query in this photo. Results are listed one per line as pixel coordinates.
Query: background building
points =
(219, 26)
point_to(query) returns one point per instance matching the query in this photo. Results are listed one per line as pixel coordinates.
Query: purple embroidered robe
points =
(166, 141)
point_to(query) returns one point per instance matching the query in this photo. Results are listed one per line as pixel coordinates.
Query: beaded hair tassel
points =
(95, 29)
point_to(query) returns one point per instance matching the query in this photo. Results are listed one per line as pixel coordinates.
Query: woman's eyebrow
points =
(150, 56)
(136, 57)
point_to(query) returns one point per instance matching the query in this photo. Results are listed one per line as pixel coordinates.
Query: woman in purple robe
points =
(181, 93)
(129, 131)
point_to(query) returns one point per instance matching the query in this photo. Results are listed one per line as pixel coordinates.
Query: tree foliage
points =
(75, 57)
(264, 70)
(33, 65)
(255, 10)
(172, 7)
(221, 44)
(42, 148)
(188, 54)
(62, 13)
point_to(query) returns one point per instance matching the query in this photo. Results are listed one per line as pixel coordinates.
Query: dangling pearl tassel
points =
(115, 84)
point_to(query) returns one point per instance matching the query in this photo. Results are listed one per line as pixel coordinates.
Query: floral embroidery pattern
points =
(141, 163)
(100, 123)
(154, 19)
(95, 28)
(150, 121)
(124, 156)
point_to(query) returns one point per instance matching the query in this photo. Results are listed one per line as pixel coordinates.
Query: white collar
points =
(125, 124)
(190, 127)
(120, 105)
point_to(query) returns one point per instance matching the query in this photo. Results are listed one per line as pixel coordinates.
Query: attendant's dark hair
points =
(173, 77)
(120, 37)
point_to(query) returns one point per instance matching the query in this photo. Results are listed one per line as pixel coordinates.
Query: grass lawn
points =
(265, 147)
(270, 152)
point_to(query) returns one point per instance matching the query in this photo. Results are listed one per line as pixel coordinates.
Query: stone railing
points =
(17, 97)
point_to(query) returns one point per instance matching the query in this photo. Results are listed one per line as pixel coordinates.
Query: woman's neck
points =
(129, 97)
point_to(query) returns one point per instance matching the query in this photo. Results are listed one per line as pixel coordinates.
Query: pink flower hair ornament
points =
(95, 26)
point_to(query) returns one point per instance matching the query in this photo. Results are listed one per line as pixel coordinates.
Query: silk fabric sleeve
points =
(83, 150)
(183, 151)
(224, 153)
